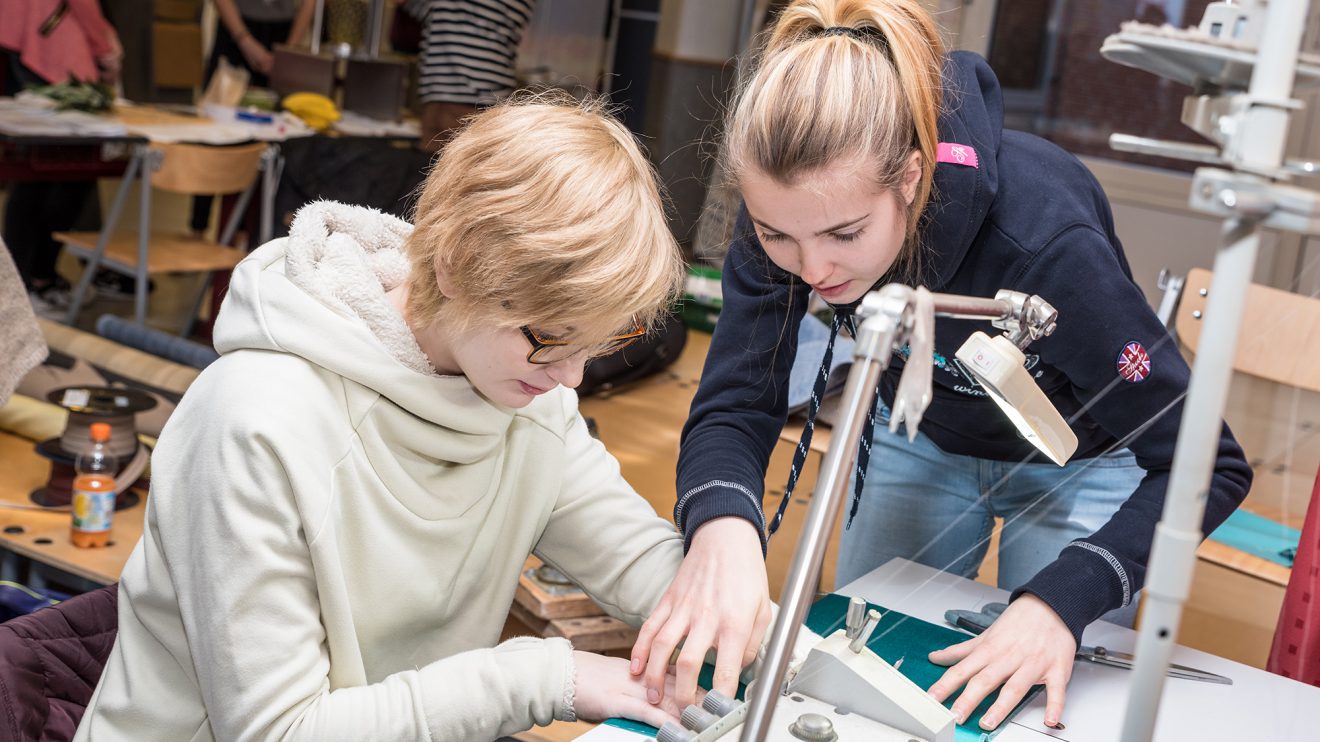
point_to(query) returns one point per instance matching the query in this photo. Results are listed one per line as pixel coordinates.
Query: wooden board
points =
(1280, 340)
(594, 633)
(166, 253)
(43, 536)
(547, 606)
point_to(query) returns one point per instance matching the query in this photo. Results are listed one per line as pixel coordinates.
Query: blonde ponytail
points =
(844, 80)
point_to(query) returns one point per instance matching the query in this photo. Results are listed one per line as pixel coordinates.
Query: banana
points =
(316, 110)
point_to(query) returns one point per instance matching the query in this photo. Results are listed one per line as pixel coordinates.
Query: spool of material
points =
(88, 405)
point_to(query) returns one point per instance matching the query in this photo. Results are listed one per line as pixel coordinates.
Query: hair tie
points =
(864, 33)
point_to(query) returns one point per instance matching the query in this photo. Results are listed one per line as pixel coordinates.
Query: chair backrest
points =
(1280, 337)
(50, 663)
(202, 169)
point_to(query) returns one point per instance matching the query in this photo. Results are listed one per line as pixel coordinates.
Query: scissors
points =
(1102, 656)
(1109, 658)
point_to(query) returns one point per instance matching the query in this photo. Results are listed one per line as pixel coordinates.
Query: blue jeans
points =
(938, 509)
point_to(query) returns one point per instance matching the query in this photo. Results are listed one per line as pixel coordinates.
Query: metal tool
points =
(1110, 658)
(1102, 656)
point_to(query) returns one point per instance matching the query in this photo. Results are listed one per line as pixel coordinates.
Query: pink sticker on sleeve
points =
(958, 154)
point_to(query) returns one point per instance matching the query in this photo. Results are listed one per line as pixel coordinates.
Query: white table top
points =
(1257, 706)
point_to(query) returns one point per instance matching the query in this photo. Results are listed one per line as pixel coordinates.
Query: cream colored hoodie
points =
(334, 532)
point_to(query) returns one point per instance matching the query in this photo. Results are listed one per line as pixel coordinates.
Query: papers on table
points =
(23, 117)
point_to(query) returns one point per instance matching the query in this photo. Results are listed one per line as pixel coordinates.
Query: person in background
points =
(342, 504)
(867, 155)
(467, 59)
(246, 37)
(50, 42)
(249, 30)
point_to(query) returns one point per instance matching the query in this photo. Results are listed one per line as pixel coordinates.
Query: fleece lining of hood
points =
(348, 257)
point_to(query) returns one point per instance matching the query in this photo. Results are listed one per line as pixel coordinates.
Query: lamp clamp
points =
(1028, 318)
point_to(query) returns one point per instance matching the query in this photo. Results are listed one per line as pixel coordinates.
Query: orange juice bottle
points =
(94, 491)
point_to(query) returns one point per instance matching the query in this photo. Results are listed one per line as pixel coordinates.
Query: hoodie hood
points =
(963, 193)
(320, 294)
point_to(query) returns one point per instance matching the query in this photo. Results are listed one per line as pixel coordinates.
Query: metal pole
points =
(1173, 552)
(150, 161)
(875, 342)
(746, 25)
(375, 28)
(1258, 146)
(102, 240)
(611, 47)
(271, 173)
(318, 21)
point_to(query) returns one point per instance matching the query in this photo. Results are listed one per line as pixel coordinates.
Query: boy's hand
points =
(1026, 646)
(719, 599)
(605, 689)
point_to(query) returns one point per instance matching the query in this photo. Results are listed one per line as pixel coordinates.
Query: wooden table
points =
(43, 535)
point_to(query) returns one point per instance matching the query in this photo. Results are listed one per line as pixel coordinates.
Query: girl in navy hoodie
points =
(866, 155)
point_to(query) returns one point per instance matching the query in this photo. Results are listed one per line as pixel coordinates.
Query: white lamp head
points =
(999, 368)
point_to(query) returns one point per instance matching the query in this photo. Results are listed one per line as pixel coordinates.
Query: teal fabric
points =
(898, 636)
(1259, 536)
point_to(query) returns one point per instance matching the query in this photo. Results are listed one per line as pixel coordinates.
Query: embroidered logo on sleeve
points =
(1133, 362)
(957, 154)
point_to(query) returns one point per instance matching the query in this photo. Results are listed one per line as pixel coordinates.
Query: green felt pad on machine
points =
(898, 636)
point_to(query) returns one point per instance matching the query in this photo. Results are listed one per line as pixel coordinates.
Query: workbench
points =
(1257, 706)
(41, 537)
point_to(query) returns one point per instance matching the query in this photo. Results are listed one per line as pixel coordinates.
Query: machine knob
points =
(697, 718)
(855, 619)
(719, 704)
(672, 732)
(813, 728)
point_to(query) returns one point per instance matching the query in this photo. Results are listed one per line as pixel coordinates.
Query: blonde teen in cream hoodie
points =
(334, 532)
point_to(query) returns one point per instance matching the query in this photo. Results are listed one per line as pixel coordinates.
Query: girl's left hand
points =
(1028, 645)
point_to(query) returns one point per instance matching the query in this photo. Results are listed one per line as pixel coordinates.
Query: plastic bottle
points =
(94, 491)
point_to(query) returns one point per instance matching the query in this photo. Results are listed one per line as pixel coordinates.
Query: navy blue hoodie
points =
(1027, 216)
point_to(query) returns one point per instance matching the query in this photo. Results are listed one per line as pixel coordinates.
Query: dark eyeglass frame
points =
(541, 345)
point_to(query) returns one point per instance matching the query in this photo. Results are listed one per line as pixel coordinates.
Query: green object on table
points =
(90, 97)
(702, 298)
(1259, 536)
(898, 636)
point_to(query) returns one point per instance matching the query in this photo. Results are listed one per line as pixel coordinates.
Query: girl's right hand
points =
(719, 600)
(605, 690)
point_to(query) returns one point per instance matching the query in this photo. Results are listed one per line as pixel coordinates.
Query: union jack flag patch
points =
(1133, 362)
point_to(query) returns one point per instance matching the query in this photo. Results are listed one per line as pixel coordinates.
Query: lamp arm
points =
(1023, 317)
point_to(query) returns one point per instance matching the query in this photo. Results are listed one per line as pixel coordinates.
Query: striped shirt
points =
(469, 48)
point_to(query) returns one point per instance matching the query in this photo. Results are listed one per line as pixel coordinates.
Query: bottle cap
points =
(100, 432)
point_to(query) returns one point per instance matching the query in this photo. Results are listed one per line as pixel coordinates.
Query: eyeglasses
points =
(546, 349)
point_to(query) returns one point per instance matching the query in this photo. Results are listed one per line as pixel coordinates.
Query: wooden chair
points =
(1280, 339)
(191, 169)
(1236, 596)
